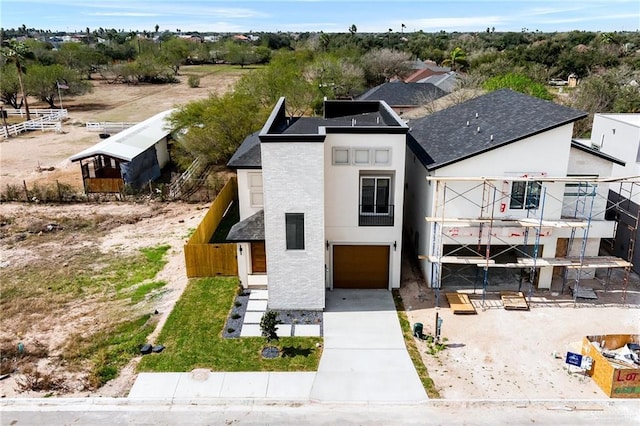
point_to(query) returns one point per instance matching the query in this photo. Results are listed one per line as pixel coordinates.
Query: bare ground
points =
(116, 228)
(500, 354)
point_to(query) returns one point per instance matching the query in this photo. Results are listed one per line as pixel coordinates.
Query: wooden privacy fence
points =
(204, 259)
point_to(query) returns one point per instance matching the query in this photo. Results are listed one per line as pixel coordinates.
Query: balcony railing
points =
(380, 216)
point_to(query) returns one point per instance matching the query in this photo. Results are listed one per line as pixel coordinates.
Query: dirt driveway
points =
(500, 354)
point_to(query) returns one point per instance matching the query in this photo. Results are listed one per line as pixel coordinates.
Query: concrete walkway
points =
(364, 358)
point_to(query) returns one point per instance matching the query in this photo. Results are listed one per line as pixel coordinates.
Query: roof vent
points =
(377, 120)
(353, 122)
(467, 123)
(491, 137)
(478, 129)
(476, 115)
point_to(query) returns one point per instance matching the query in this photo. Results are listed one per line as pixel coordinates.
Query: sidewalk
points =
(364, 360)
(198, 384)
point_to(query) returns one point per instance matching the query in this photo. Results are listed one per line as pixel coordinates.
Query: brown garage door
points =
(361, 267)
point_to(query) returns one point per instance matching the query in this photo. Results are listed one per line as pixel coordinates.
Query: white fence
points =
(108, 126)
(50, 121)
(37, 112)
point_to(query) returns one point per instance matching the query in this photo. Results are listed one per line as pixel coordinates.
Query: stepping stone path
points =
(257, 306)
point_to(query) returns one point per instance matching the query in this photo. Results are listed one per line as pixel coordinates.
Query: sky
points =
(328, 16)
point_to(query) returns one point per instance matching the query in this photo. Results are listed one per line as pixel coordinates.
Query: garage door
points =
(361, 267)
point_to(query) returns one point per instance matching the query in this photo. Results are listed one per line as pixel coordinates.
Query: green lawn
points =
(193, 337)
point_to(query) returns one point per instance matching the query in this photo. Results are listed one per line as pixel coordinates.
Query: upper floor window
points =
(525, 195)
(375, 192)
(294, 223)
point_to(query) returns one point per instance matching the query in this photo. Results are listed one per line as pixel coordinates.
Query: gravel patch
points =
(236, 317)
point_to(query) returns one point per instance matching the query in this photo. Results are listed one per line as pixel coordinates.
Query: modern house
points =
(321, 202)
(134, 157)
(496, 188)
(619, 136)
(491, 190)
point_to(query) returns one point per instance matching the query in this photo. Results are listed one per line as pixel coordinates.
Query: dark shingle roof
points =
(399, 93)
(248, 154)
(503, 116)
(250, 229)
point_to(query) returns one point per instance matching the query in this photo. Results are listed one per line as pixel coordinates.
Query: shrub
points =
(193, 81)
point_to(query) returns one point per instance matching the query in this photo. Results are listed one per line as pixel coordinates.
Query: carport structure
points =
(134, 157)
(492, 241)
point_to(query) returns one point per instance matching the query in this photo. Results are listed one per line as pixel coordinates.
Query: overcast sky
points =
(328, 16)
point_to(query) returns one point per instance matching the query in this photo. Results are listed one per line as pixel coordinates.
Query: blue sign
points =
(574, 359)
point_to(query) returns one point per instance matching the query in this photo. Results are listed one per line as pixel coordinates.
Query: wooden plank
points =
(574, 262)
(460, 303)
(459, 260)
(514, 301)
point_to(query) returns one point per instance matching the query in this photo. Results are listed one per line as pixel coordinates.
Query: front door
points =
(258, 258)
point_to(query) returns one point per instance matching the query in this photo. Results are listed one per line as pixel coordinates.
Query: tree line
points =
(308, 67)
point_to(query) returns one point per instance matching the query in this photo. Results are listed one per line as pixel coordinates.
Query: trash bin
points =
(417, 329)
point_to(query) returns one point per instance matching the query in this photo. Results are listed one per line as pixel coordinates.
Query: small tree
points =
(269, 326)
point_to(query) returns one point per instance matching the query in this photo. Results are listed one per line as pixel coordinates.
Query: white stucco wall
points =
(245, 179)
(342, 196)
(293, 175)
(545, 154)
(582, 163)
(418, 202)
(619, 136)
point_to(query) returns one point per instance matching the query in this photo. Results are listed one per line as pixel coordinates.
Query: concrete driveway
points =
(364, 357)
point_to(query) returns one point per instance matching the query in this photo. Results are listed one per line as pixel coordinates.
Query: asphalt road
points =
(112, 411)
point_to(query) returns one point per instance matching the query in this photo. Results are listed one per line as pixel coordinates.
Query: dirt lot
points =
(499, 354)
(50, 239)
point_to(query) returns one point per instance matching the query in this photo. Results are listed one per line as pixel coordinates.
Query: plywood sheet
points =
(460, 303)
(514, 301)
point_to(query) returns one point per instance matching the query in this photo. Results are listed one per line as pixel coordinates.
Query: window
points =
(374, 194)
(382, 156)
(340, 156)
(361, 156)
(255, 190)
(525, 195)
(295, 230)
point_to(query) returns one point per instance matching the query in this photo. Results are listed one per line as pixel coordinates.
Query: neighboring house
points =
(446, 82)
(321, 203)
(402, 96)
(425, 69)
(619, 135)
(497, 184)
(134, 157)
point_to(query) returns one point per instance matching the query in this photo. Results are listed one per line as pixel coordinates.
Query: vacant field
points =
(81, 283)
(22, 158)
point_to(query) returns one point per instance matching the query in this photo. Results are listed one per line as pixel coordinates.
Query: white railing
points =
(108, 126)
(175, 189)
(37, 112)
(52, 121)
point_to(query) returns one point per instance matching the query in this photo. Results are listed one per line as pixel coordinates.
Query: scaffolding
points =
(578, 210)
